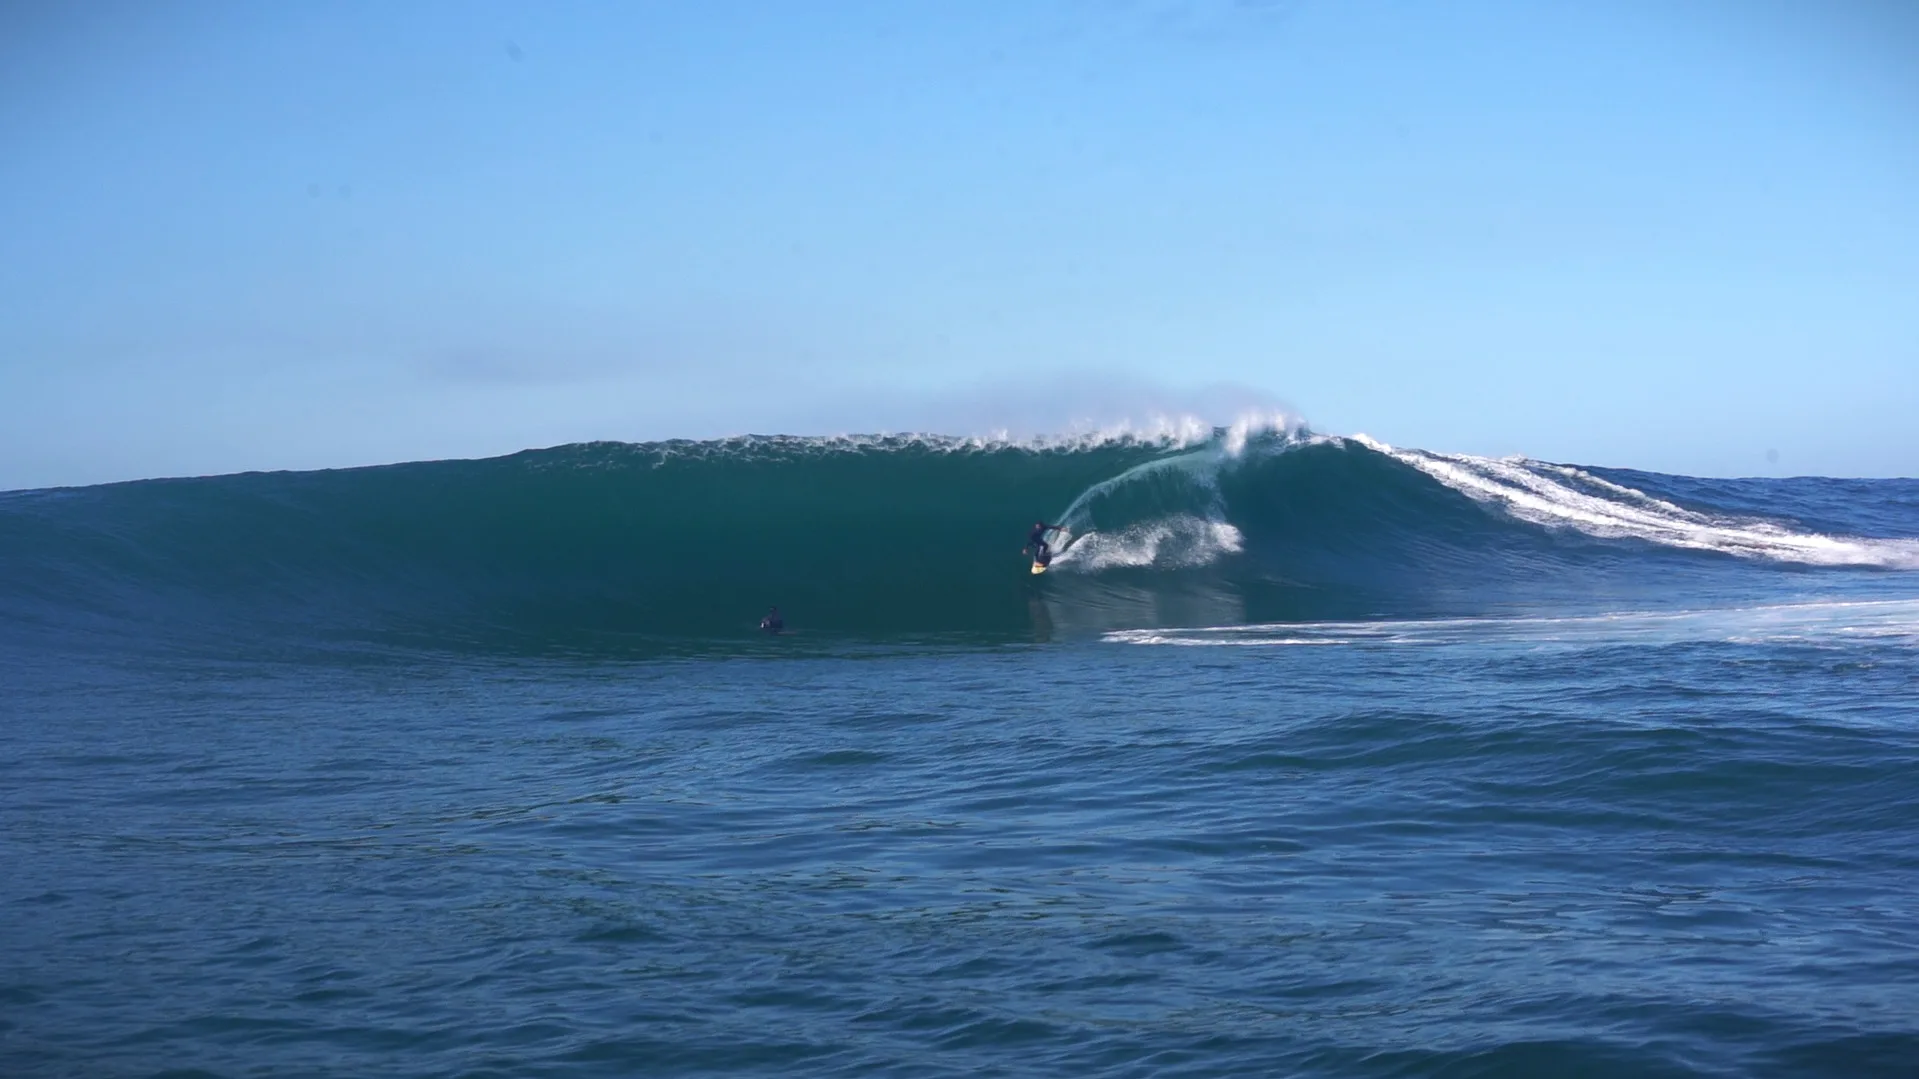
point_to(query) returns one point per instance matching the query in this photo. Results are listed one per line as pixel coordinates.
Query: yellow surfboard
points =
(1038, 568)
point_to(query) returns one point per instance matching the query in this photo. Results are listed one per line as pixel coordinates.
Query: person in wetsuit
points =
(773, 623)
(1036, 542)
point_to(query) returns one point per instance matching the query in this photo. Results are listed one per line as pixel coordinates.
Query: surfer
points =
(773, 623)
(1036, 542)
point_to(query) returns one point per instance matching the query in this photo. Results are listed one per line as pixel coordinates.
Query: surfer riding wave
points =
(1037, 545)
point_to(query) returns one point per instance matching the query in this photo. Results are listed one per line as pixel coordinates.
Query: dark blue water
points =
(1654, 813)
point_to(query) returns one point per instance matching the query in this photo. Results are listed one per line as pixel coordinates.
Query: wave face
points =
(662, 544)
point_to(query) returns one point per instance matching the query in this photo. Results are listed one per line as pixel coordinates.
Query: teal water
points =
(310, 775)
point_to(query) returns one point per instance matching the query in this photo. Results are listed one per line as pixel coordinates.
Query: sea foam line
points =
(1884, 621)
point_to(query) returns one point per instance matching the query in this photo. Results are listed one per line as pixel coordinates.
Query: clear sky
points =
(1675, 236)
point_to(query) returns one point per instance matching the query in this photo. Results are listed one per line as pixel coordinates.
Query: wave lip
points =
(1167, 431)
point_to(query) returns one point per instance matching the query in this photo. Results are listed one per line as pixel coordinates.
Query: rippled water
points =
(1498, 849)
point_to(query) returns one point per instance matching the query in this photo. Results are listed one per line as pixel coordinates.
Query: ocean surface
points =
(1310, 756)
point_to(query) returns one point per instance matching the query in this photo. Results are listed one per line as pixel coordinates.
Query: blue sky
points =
(1681, 237)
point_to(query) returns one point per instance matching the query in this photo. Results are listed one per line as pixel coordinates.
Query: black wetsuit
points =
(1036, 539)
(773, 623)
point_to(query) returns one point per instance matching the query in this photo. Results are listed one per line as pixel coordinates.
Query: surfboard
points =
(1039, 567)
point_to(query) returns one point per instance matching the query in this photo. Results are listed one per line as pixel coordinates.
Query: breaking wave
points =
(642, 546)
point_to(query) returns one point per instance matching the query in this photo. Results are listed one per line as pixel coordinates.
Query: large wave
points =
(673, 542)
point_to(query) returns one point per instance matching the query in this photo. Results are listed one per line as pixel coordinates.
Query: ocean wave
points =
(881, 535)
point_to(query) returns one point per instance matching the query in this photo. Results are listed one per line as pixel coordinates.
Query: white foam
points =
(1551, 495)
(1249, 425)
(1179, 542)
(1179, 539)
(1179, 640)
(1170, 432)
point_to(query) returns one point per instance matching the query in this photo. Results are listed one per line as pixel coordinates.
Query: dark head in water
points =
(773, 623)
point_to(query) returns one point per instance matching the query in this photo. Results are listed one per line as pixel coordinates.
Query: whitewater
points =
(1312, 755)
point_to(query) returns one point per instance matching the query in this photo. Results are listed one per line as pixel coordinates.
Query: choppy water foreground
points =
(1480, 852)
